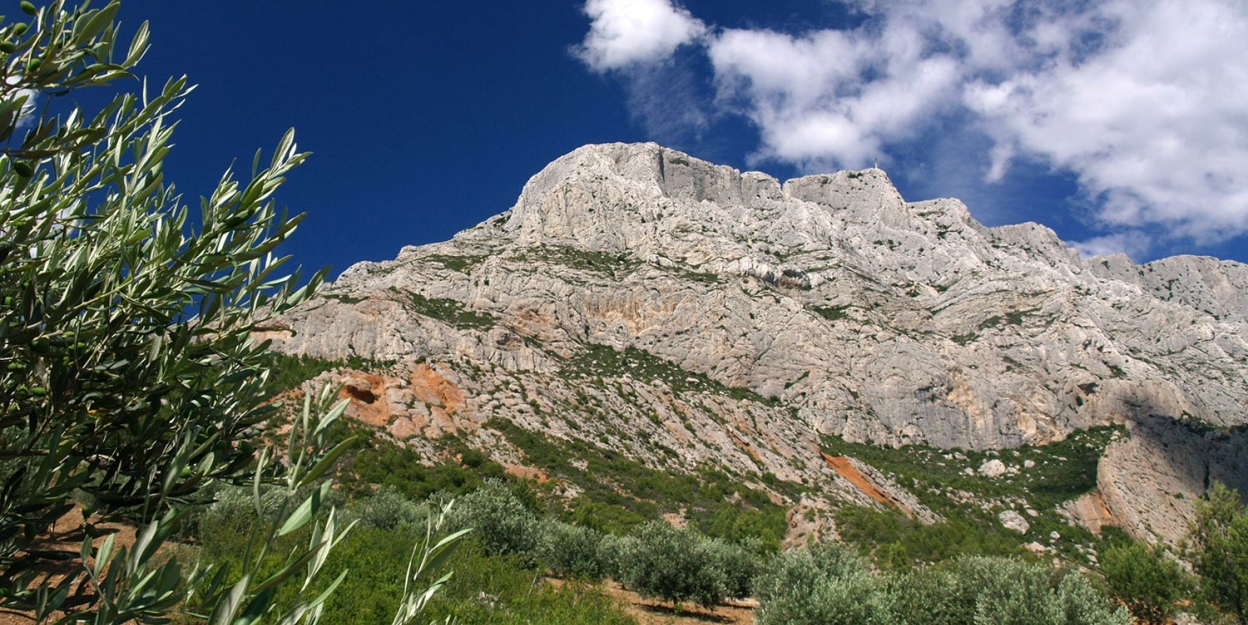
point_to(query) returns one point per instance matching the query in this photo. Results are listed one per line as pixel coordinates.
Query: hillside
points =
(640, 315)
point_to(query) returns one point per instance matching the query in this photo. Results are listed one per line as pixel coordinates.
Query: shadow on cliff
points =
(1196, 452)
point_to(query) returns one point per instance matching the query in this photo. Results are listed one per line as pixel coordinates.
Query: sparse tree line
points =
(130, 387)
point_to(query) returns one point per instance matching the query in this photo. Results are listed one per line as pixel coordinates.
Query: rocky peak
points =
(701, 314)
(621, 196)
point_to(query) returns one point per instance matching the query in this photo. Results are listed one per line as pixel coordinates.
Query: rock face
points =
(690, 312)
(1149, 482)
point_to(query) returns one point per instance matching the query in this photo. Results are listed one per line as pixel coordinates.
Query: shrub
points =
(502, 524)
(1145, 579)
(1218, 550)
(677, 565)
(129, 377)
(740, 562)
(830, 584)
(388, 509)
(611, 555)
(931, 596)
(824, 584)
(1002, 591)
(572, 551)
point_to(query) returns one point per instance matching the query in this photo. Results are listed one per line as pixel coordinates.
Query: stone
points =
(1013, 521)
(992, 468)
(403, 428)
(1088, 511)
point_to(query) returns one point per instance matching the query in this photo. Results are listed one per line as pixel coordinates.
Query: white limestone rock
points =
(992, 468)
(1013, 521)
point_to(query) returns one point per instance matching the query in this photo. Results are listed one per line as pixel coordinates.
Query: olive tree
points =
(129, 375)
(675, 564)
(1146, 579)
(1218, 550)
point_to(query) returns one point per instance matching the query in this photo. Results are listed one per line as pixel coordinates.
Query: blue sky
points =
(1121, 124)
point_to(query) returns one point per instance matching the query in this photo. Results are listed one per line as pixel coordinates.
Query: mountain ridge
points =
(760, 316)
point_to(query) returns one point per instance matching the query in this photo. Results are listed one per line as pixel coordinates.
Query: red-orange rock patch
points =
(431, 388)
(847, 470)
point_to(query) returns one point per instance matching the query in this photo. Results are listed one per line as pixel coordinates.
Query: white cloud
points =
(811, 97)
(1133, 244)
(626, 33)
(1144, 102)
(1154, 123)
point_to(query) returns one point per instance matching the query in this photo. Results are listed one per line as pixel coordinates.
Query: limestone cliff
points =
(689, 313)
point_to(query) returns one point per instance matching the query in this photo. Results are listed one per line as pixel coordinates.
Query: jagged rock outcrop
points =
(692, 313)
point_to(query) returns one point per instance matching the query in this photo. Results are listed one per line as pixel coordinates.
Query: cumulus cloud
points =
(1153, 120)
(1144, 102)
(625, 33)
(1134, 244)
(812, 100)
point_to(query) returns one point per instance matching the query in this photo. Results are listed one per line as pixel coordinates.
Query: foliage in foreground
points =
(486, 588)
(1146, 579)
(1218, 550)
(129, 379)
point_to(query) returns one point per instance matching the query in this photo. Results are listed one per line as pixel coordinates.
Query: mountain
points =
(688, 315)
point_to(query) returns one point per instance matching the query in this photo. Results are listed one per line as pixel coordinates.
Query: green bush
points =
(572, 551)
(1145, 579)
(1010, 592)
(830, 584)
(932, 596)
(388, 509)
(1218, 550)
(501, 522)
(823, 584)
(129, 378)
(740, 563)
(611, 554)
(677, 565)
(1001, 591)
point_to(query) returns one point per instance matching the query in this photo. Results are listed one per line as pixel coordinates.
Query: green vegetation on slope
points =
(462, 264)
(484, 589)
(604, 361)
(619, 493)
(375, 462)
(946, 482)
(449, 311)
(591, 261)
